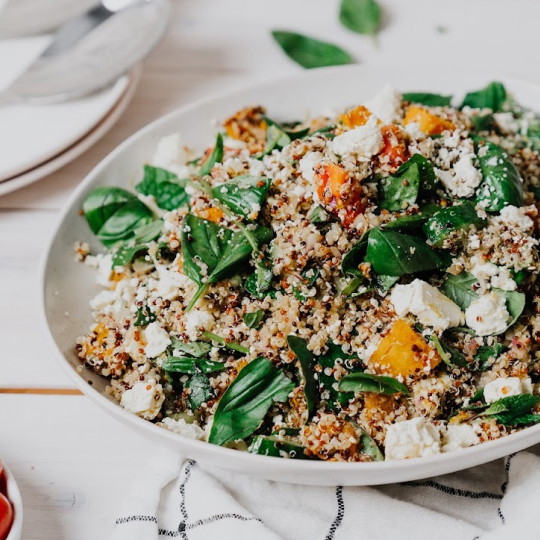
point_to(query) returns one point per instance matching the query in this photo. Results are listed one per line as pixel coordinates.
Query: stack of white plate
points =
(37, 140)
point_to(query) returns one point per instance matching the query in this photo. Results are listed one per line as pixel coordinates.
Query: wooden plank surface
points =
(73, 462)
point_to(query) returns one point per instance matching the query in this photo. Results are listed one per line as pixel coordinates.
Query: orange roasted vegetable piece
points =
(403, 352)
(211, 214)
(337, 192)
(357, 116)
(428, 123)
(394, 151)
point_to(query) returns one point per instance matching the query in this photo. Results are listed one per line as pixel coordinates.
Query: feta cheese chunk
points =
(144, 399)
(488, 314)
(506, 386)
(103, 265)
(308, 163)
(198, 320)
(427, 303)
(171, 155)
(191, 431)
(490, 274)
(411, 439)
(458, 436)
(516, 216)
(171, 283)
(464, 179)
(157, 340)
(364, 141)
(386, 105)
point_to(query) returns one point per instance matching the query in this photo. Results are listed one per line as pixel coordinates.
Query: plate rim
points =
(266, 466)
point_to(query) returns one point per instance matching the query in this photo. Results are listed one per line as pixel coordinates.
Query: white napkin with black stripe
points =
(176, 498)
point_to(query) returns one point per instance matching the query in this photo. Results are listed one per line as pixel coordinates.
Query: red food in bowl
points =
(6, 510)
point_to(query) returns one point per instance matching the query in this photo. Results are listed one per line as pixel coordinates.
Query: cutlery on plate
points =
(91, 51)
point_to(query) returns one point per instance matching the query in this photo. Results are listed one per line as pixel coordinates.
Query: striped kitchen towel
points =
(176, 498)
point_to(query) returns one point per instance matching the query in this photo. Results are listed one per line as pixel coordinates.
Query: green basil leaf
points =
(276, 447)
(378, 384)
(200, 390)
(306, 360)
(195, 349)
(144, 317)
(370, 447)
(509, 420)
(244, 195)
(253, 319)
(246, 401)
(428, 99)
(164, 186)
(258, 284)
(501, 184)
(396, 254)
(486, 356)
(493, 97)
(215, 157)
(405, 223)
(454, 218)
(511, 410)
(459, 289)
(319, 215)
(176, 364)
(360, 16)
(310, 52)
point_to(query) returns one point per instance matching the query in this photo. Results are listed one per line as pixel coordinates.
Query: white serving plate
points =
(68, 285)
(14, 496)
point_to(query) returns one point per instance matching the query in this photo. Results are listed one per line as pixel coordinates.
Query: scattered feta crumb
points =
(386, 105)
(488, 314)
(428, 304)
(103, 265)
(516, 216)
(308, 163)
(144, 399)
(490, 274)
(506, 386)
(411, 439)
(171, 155)
(364, 141)
(157, 340)
(457, 436)
(191, 431)
(197, 320)
(464, 179)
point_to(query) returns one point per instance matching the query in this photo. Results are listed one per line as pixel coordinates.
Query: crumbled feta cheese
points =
(157, 340)
(103, 265)
(464, 179)
(490, 274)
(198, 320)
(144, 399)
(386, 105)
(171, 155)
(411, 439)
(427, 303)
(488, 314)
(102, 300)
(458, 436)
(506, 122)
(516, 216)
(364, 141)
(308, 163)
(170, 283)
(506, 386)
(191, 431)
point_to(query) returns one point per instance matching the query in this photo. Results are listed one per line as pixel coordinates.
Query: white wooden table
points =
(72, 461)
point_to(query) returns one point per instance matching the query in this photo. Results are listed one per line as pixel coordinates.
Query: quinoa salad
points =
(357, 286)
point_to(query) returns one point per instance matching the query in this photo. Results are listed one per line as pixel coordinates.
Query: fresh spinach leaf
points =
(125, 254)
(310, 52)
(114, 214)
(370, 447)
(428, 99)
(459, 289)
(352, 259)
(485, 122)
(232, 345)
(194, 349)
(253, 319)
(360, 16)
(215, 157)
(366, 382)
(176, 364)
(149, 232)
(493, 97)
(276, 447)
(502, 183)
(200, 390)
(246, 401)
(453, 218)
(244, 195)
(259, 282)
(414, 221)
(515, 304)
(450, 356)
(306, 360)
(144, 316)
(486, 356)
(165, 187)
(396, 254)
(319, 215)
(212, 252)
(514, 410)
